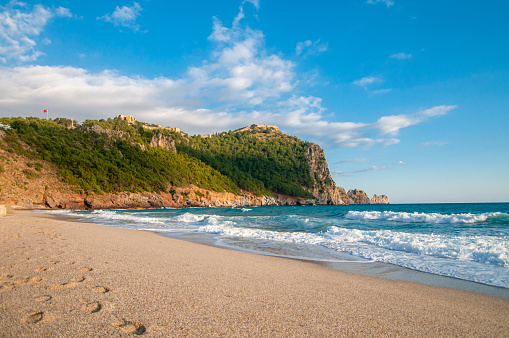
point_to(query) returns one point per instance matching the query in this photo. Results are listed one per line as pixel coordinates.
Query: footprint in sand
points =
(63, 286)
(7, 286)
(40, 269)
(101, 289)
(53, 262)
(33, 317)
(78, 279)
(42, 298)
(92, 307)
(86, 269)
(5, 276)
(28, 279)
(130, 327)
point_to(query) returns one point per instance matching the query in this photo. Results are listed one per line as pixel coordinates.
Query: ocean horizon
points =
(466, 241)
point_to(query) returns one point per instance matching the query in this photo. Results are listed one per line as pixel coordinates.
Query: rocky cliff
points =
(28, 180)
(324, 188)
(159, 140)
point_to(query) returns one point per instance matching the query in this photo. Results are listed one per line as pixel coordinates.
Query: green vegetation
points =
(117, 157)
(99, 163)
(261, 162)
(30, 174)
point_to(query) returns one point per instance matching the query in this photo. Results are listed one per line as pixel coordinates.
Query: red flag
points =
(45, 111)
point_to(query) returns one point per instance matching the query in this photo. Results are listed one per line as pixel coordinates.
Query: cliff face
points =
(163, 141)
(380, 200)
(324, 189)
(158, 140)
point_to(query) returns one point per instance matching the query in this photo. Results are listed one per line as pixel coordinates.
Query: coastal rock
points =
(109, 132)
(55, 199)
(128, 200)
(324, 188)
(377, 199)
(162, 141)
(356, 196)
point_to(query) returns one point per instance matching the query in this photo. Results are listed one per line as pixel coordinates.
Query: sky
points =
(408, 98)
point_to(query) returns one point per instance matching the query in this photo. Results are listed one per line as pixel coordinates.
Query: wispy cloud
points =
(365, 170)
(434, 144)
(20, 25)
(309, 47)
(366, 81)
(255, 3)
(401, 56)
(393, 123)
(63, 12)
(388, 3)
(124, 16)
(352, 160)
(373, 168)
(381, 91)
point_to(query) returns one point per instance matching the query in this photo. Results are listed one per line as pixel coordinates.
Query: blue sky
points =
(408, 98)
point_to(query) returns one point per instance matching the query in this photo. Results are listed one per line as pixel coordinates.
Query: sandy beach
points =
(61, 278)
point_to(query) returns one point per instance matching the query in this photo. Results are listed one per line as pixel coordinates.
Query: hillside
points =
(116, 163)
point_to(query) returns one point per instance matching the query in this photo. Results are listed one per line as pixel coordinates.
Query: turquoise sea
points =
(464, 241)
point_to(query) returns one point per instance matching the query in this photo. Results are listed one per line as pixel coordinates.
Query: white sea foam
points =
(477, 253)
(473, 258)
(124, 217)
(415, 217)
(189, 218)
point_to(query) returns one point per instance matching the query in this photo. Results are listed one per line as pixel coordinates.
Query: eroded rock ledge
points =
(187, 196)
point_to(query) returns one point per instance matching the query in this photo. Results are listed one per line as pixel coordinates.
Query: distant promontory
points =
(124, 163)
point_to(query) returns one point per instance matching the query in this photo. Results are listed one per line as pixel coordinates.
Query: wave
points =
(476, 258)
(189, 218)
(415, 217)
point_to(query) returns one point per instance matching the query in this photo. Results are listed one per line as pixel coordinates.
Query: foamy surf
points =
(463, 241)
(416, 217)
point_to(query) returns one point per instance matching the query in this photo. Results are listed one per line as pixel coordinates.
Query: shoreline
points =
(108, 281)
(352, 264)
(362, 267)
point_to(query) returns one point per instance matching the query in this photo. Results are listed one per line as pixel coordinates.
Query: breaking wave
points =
(415, 217)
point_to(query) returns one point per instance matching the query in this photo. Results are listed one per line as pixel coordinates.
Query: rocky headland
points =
(31, 182)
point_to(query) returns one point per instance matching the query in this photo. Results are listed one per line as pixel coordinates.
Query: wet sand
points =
(61, 278)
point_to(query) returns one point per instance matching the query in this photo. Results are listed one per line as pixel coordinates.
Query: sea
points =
(468, 242)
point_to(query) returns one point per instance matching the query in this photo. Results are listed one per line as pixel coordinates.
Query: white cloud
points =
(255, 3)
(239, 84)
(20, 25)
(388, 3)
(353, 160)
(392, 124)
(365, 81)
(63, 12)
(401, 56)
(309, 47)
(372, 168)
(124, 16)
(434, 143)
(381, 91)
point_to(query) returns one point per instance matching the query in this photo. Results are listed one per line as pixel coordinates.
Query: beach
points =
(62, 278)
